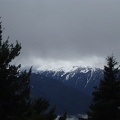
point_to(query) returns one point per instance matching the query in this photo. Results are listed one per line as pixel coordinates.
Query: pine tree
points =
(51, 114)
(38, 109)
(64, 117)
(15, 101)
(14, 84)
(106, 97)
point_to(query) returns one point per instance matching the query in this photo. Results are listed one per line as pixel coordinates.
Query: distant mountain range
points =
(69, 89)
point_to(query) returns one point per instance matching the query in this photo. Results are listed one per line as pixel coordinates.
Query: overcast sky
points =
(56, 33)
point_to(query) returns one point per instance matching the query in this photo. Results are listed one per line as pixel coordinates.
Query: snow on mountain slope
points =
(68, 88)
(80, 78)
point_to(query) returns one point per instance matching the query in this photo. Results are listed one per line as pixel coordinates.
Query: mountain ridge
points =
(76, 77)
(65, 98)
(74, 86)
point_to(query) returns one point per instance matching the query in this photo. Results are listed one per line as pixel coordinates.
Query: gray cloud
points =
(63, 30)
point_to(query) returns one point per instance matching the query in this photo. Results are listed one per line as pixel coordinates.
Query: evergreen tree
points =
(106, 97)
(15, 101)
(64, 117)
(14, 84)
(51, 114)
(39, 110)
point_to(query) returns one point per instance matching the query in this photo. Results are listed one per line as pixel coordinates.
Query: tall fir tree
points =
(106, 97)
(14, 84)
(15, 100)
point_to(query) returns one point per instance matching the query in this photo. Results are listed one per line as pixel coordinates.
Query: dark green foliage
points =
(15, 101)
(64, 117)
(106, 98)
(14, 85)
(40, 105)
(39, 110)
(51, 114)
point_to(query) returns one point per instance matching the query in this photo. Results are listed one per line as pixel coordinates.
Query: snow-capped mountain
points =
(80, 78)
(70, 89)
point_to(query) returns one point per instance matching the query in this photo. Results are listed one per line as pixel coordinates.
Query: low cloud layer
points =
(63, 32)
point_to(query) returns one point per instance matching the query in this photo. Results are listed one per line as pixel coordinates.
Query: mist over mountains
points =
(70, 89)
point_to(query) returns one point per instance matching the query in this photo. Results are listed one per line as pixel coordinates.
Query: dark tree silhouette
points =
(14, 84)
(106, 97)
(64, 117)
(15, 101)
(39, 110)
